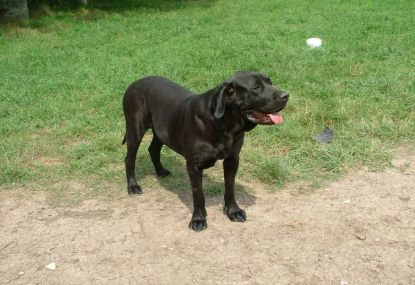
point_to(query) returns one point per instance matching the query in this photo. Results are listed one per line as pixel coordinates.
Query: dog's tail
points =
(125, 138)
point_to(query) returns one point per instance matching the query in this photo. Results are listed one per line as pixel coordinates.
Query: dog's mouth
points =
(264, 118)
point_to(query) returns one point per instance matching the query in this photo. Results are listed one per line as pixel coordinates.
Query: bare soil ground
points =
(358, 230)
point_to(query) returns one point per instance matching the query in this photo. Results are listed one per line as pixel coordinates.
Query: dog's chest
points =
(223, 147)
(208, 153)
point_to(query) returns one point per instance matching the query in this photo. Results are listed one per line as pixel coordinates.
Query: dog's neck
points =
(232, 121)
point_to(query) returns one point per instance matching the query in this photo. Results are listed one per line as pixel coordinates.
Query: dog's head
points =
(253, 96)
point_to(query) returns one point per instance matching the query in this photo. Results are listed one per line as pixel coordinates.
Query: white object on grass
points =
(314, 42)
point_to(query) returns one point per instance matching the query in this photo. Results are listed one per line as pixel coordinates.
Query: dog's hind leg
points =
(154, 149)
(134, 135)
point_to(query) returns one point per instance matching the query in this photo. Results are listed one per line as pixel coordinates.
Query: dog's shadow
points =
(178, 182)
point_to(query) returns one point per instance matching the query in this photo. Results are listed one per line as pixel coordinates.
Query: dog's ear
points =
(226, 90)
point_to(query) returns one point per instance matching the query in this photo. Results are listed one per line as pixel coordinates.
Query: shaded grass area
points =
(64, 74)
(39, 6)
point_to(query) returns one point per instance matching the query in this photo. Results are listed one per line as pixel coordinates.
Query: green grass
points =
(63, 75)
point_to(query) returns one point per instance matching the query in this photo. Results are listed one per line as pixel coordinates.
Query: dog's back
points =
(146, 97)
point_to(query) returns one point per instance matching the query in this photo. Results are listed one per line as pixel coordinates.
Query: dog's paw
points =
(134, 189)
(235, 214)
(198, 224)
(163, 172)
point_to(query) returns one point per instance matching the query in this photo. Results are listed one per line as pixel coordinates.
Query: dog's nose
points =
(284, 96)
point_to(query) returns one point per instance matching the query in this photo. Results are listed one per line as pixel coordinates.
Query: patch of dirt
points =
(50, 161)
(359, 230)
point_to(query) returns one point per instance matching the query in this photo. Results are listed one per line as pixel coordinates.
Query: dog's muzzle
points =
(260, 118)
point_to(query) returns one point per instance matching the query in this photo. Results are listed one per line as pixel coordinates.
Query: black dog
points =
(202, 128)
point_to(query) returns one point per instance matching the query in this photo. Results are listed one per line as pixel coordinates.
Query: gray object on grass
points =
(325, 136)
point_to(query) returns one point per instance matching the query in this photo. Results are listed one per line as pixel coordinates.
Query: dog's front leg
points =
(198, 221)
(232, 210)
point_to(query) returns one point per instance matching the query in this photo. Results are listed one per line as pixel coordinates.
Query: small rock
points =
(347, 201)
(361, 237)
(343, 282)
(21, 273)
(404, 198)
(51, 266)
(135, 228)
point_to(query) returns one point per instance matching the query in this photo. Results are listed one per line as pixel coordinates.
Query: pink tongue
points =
(275, 118)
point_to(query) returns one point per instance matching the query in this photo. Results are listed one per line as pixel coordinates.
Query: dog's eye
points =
(257, 87)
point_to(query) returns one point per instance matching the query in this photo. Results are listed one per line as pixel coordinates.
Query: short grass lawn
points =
(64, 72)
